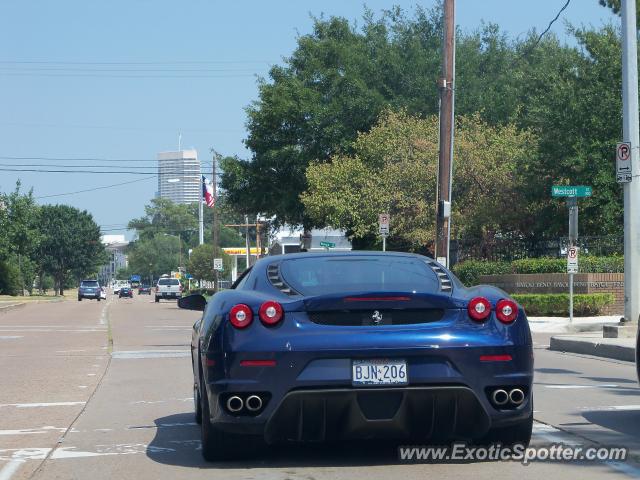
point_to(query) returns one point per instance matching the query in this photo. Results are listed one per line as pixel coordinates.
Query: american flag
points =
(207, 192)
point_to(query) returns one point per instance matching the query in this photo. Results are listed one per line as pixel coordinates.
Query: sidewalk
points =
(8, 306)
(584, 336)
(594, 344)
(562, 325)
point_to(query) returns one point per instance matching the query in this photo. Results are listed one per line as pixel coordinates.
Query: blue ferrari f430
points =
(317, 347)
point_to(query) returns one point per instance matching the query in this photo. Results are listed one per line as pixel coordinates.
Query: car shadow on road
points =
(621, 421)
(177, 442)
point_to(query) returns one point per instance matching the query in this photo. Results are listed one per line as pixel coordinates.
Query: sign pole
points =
(631, 134)
(570, 298)
(383, 229)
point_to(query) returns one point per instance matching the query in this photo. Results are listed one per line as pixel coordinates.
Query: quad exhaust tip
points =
(254, 403)
(516, 396)
(235, 404)
(500, 397)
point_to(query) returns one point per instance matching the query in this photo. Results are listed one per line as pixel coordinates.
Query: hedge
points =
(557, 304)
(469, 272)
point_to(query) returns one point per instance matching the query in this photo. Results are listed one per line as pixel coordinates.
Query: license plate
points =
(379, 372)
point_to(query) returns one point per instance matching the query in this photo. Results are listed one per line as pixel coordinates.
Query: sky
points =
(121, 80)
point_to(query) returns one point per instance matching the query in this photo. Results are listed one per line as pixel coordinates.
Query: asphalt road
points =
(94, 391)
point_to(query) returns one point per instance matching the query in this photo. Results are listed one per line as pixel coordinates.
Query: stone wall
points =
(559, 283)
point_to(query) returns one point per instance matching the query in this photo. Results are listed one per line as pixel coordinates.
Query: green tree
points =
(164, 216)
(616, 7)
(154, 255)
(201, 263)
(393, 169)
(20, 235)
(70, 244)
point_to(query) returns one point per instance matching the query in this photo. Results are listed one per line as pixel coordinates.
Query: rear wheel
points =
(197, 404)
(79, 299)
(218, 445)
(157, 299)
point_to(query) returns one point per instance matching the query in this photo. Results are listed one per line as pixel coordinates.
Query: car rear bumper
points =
(312, 399)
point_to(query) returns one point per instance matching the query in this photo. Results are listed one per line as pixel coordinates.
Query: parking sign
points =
(383, 220)
(572, 260)
(623, 162)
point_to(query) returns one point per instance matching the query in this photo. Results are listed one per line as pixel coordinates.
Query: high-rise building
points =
(179, 177)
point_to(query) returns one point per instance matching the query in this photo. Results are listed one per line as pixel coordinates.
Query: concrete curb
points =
(12, 306)
(598, 347)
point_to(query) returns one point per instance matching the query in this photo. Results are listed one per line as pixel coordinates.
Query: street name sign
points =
(327, 244)
(571, 191)
(572, 260)
(217, 264)
(623, 162)
(383, 220)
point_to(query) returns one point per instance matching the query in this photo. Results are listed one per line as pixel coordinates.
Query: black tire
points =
(197, 404)
(79, 299)
(218, 445)
(157, 299)
(98, 299)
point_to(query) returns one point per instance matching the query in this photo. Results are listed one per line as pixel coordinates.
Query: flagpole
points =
(200, 214)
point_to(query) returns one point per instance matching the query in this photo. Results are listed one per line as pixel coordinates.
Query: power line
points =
(93, 75)
(54, 62)
(103, 187)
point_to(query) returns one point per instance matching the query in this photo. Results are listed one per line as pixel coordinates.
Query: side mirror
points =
(193, 302)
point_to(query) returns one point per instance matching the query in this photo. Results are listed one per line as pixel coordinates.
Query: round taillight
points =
(240, 315)
(506, 311)
(271, 312)
(479, 309)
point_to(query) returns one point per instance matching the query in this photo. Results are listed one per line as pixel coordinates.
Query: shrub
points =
(469, 272)
(9, 278)
(557, 304)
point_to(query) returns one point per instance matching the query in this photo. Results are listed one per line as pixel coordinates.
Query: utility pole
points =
(246, 241)
(630, 134)
(258, 239)
(201, 213)
(214, 233)
(445, 157)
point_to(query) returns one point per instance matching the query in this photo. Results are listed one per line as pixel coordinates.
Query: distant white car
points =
(118, 285)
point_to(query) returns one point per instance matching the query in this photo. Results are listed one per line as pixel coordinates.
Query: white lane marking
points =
(49, 330)
(10, 469)
(137, 354)
(151, 402)
(70, 351)
(572, 387)
(38, 405)
(31, 431)
(91, 374)
(82, 386)
(168, 326)
(10, 337)
(611, 408)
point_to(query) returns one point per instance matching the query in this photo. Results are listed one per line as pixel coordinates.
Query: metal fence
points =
(509, 249)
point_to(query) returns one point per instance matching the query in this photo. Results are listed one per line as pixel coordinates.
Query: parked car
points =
(89, 289)
(125, 291)
(144, 290)
(367, 345)
(168, 288)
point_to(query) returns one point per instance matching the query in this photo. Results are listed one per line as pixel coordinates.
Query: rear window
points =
(168, 281)
(89, 283)
(361, 273)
